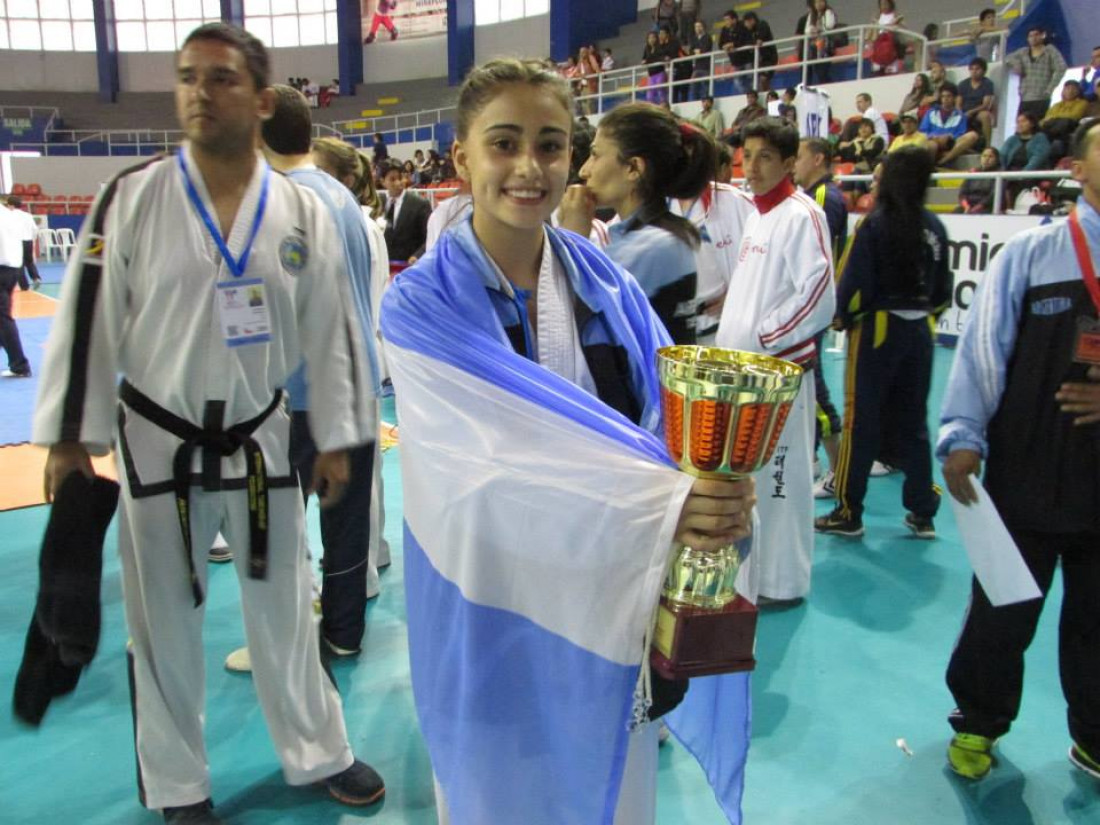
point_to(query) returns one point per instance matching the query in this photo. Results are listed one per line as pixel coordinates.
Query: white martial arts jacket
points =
(139, 299)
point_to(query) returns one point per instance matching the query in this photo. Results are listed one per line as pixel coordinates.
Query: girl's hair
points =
(484, 82)
(348, 163)
(925, 83)
(900, 200)
(680, 160)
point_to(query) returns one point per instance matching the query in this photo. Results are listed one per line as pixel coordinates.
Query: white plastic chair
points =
(66, 240)
(48, 244)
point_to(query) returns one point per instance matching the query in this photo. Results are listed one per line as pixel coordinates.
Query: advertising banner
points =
(386, 20)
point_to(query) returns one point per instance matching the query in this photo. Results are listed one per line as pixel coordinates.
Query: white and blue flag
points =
(538, 523)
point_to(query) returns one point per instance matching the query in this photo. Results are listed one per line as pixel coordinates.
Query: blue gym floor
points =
(841, 680)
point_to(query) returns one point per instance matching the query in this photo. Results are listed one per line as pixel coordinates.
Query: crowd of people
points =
(522, 335)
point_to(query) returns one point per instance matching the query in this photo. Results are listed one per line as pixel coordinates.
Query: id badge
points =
(243, 311)
(1086, 348)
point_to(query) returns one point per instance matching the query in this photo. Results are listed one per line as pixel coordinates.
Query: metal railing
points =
(613, 85)
(394, 123)
(996, 51)
(957, 25)
(49, 112)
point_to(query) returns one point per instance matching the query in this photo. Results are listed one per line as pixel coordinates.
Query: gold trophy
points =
(724, 411)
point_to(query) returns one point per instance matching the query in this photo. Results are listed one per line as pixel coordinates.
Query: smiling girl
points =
(539, 503)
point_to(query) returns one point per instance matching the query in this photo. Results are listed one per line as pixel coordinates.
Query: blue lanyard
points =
(236, 265)
(520, 300)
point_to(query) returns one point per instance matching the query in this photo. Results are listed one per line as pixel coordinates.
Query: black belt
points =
(216, 444)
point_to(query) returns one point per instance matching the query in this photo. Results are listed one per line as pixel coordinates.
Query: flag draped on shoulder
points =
(538, 522)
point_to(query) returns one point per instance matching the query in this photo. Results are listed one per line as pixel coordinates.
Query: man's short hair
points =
(1039, 29)
(708, 97)
(1085, 134)
(1072, 82)
(289, 130)
(987, 13)
(253, 49)
(865, 96)
(779, 132)
(751, 15)
(948, 86)
(979, 61)
(390, 165)
(15, 200)
(730, 13)
(819, 146)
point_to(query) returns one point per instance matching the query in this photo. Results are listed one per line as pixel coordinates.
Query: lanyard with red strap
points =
(1084, 259)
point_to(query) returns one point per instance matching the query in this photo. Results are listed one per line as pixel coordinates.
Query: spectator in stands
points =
(895, 277)
(914, 100)
(665, 15)
(30, 233)
(910, 134)
(412, 175)
(406, 216)
(866, 110)
(786, 105)
(680, 70)
(976, 97)
(653, 57)
(759, 34)
(1062, 119)
(730, 34)
(1027, 150)
(702, 43)
(1040, 66)
(381, 152)
(1090, 77)
(821, 20)
(976, 195)
(888, 19)
(588, 70)
(11, 270)
(711, 119)
(447, 165)
(937, 76)
(608, 62)
(749, 113)
(689, 14)
(945, 126)
(864, 149)
(986, 35)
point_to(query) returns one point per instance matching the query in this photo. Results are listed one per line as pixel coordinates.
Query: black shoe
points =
(838, 524)
(358, 785)
(368, 39)
(393, 34)
(201, 813)
(921, 526)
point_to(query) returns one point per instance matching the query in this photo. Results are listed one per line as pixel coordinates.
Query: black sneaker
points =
(921, 526)
(358, 785)
(838, 524)
(201, 813)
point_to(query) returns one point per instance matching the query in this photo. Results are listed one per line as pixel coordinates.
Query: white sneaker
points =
(881, 469)
(239, 661)
(825, 487)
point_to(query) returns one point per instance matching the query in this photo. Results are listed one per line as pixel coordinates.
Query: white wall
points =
(68, 175)
(48, 71)
(516, 38)
(390, 61)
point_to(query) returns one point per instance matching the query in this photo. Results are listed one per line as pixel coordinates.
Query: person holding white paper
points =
(1024, 396)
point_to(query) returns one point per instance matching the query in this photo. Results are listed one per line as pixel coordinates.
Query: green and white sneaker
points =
(971, 755)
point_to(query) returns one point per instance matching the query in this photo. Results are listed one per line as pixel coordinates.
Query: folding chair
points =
(48, 244)
(66, 240)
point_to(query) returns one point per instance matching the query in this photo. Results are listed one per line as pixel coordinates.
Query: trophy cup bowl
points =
(724, 412)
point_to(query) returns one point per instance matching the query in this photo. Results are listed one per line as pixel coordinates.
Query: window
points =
(487, 12)
(68, 25)
(49, 25)
(289, 23)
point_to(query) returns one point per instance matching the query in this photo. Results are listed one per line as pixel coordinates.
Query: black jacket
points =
(409, 236)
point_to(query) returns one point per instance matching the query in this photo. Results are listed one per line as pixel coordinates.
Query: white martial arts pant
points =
(300, 703)
(638, 795)
(783, 552)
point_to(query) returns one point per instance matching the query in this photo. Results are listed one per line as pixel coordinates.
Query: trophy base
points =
(694, 641)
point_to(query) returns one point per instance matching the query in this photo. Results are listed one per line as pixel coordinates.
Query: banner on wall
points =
(973, 243)
(386, 20)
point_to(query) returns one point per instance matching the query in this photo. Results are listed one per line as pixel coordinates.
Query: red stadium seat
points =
(19, 189)
(34, 189)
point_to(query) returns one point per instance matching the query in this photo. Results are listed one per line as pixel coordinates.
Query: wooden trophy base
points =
(694, 641)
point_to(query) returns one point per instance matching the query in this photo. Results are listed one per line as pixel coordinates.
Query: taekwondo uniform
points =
(151, 295)
(719, 214)
(781, 295)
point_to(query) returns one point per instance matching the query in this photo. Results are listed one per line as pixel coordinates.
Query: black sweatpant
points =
(345, 537)
(886, 384)
(9, 332)
(986, 673)
(28, 261)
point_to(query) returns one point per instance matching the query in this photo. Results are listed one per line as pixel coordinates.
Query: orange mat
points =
(33, 305)
(21, 468)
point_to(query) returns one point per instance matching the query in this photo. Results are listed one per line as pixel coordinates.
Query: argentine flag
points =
(538, 523)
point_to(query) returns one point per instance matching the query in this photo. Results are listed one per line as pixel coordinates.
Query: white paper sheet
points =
(993, 554)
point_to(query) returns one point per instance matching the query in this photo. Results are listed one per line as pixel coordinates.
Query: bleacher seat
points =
(19, 189)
